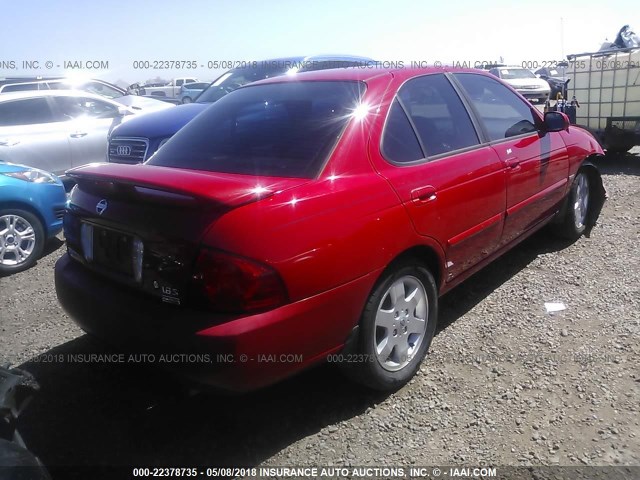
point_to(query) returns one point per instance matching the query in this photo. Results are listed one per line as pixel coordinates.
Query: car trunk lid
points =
(142, 225)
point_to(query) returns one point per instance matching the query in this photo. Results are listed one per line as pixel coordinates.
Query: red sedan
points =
(316, 217)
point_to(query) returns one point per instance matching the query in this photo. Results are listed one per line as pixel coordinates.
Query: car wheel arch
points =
(424, 255)
(18, 205)
(597, 192)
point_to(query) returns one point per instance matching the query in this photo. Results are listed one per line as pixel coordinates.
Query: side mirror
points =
(122, 111)
(556, 122)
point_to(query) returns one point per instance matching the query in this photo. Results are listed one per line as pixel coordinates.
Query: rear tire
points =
(22, 240)
(573, 225)
(396, 328)
(187, 100)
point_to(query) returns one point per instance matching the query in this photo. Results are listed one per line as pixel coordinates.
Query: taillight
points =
(235, 284)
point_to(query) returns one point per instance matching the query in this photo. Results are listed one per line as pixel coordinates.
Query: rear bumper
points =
(232, 353)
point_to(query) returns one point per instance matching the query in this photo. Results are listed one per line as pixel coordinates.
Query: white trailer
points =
(606, 85)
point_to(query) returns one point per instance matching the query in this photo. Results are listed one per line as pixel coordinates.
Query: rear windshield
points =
(283, 130)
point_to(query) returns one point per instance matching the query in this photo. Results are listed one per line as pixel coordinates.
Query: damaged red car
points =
(318, 216)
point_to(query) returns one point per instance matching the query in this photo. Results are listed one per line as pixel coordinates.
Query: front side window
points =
(502, 112)
(28, 111)
(283, 130)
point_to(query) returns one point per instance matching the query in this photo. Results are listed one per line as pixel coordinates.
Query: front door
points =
(536, 162)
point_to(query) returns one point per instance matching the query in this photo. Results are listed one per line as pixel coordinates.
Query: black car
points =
(557, 79)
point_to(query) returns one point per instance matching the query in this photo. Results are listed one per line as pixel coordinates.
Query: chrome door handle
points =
(78, 134)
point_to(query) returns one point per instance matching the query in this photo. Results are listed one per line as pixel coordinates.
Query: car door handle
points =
(7, 142)
(513, 162)
(79, 134)
(423, 194)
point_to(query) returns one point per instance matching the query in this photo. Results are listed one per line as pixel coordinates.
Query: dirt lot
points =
(506, 383)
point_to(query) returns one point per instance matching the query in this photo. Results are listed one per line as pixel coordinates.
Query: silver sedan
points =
(58, 130)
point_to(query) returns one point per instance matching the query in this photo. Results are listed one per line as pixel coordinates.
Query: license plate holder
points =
(113, 251)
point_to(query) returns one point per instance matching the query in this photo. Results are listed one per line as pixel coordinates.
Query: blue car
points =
(190, 91)
(32, 204)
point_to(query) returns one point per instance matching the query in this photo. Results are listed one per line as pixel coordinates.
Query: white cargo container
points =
(606, 84)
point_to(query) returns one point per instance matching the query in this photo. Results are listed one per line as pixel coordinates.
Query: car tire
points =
(22, 240)
(187, 100)
(576, 213)
(396, 328)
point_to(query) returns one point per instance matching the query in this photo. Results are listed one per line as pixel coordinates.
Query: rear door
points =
(31, 134)
(536, 162)
(452, 187)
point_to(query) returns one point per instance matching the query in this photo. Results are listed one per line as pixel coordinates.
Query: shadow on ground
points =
(127, 414)
(52, 246)
(124, 414)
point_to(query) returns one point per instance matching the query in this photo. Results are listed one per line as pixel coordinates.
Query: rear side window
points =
(399, 142)
(28, 111)
(285, 130)
(503, 113)
(439, 116)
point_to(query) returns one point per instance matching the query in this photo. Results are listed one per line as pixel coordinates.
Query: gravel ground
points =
(505, 383)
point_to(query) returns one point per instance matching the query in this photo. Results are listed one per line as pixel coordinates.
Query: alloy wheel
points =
(400, 323)
(17, 240)
(581, 204)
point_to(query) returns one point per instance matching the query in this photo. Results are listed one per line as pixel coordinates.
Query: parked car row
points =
(94, 86)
